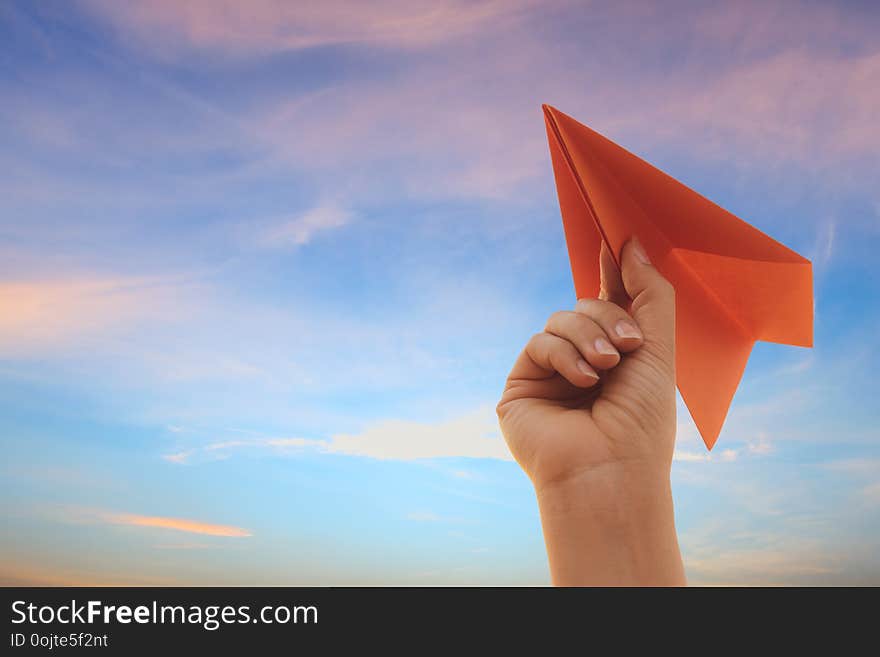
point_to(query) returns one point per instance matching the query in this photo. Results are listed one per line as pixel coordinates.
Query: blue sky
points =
(264, 272)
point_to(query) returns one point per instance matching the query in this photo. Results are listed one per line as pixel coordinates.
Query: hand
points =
(589, 413)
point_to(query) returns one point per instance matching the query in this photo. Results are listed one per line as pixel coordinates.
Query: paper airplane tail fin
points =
(723, 305)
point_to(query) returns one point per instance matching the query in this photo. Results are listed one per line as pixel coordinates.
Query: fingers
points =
(614, 321)
(546, 353)
(577, 344)
(587, 336)
(653, 297)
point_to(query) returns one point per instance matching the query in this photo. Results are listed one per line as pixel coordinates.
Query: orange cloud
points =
(176, 524)
(36, 314)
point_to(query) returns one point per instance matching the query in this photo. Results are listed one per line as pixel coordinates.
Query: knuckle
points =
(534, 342)
(609, 310)
(555, 319)
(587, 306)
(602, 311)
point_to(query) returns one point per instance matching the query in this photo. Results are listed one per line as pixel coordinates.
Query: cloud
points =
(301, 229)
(464, 120)
(222, 448)
(178, 457)
(806, 108)
(691, 457)
(473, 435)
(175, 524)
(26, 570)
(265, 26)
(761, 446)
(36, 315)
(759, 567)
(795, 549)
(728, 455)
(790, 106)
(685, 456)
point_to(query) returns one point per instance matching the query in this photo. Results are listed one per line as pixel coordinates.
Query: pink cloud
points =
(795, 105)
(756, 84)
(40, 314)
(469, 124)
(273, 25)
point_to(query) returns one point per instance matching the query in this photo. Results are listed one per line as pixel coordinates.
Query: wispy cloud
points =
(760, 567)
(775, 105)
(45, 314)
(686, 456)
(300, 230)
(760, 445)
(399, 104)
(691, 457)
(473, 435)
(174, 524)
(444, 127)
(178, 457)
(269, 25)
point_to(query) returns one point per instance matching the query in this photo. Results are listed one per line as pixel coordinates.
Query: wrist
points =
(611, 525)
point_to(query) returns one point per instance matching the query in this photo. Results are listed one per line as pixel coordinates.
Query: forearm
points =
(611, 528)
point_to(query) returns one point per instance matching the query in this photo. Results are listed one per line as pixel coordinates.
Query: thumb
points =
(653, 297)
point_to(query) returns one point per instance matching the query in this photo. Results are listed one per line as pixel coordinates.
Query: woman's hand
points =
(589, 413)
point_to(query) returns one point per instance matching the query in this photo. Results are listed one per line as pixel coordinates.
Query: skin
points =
(589, 414)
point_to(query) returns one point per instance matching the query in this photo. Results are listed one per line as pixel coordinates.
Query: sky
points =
(264, 268)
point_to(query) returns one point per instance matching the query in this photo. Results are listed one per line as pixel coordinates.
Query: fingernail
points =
(586, 369)
(639, 250)
(604, 347)
(626, 329)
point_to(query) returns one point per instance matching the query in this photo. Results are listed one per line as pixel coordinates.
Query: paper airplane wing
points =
(733, 284)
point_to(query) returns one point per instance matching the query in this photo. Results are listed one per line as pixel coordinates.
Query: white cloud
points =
(301, 229)
(728, 455)
(178, 457)
(473, 435)
(686, 456)
(760, 446)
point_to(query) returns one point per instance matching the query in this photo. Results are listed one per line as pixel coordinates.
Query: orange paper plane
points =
(734, 285)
